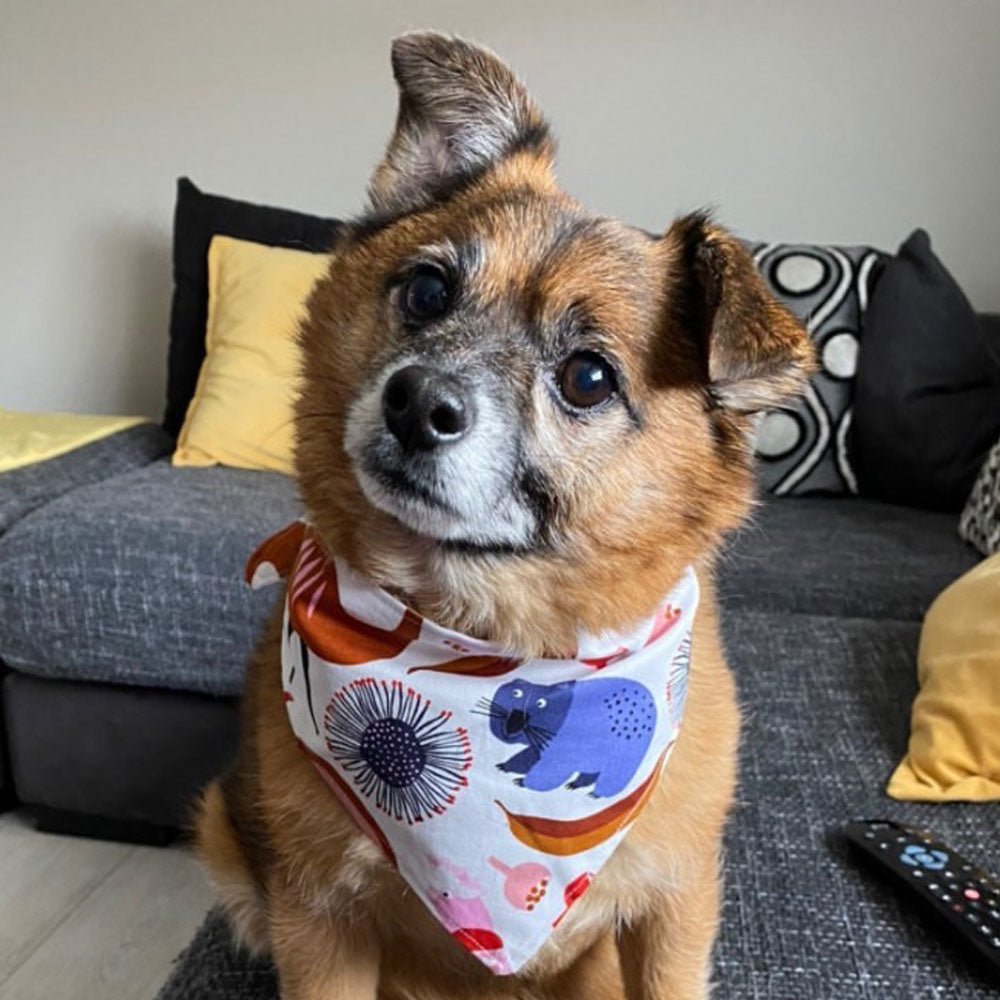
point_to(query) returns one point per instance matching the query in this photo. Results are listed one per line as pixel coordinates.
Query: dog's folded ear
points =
(755, 352)
(460, 110)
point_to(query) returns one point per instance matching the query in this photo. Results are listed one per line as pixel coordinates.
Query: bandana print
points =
(496, 786)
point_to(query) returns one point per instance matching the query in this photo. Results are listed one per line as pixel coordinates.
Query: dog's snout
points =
(424, 409)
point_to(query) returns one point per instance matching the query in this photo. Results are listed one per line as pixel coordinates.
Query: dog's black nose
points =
(425, 409)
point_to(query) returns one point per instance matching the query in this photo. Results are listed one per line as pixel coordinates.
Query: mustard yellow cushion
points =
(241, 413)
(954, 751)
(32, 437)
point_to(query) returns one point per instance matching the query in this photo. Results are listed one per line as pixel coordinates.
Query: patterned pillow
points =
(980, 521)
(802, 447)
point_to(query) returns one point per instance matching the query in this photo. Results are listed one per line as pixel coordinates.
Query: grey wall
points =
(849, 121)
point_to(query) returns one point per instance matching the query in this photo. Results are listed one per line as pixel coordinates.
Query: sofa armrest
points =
(24, 489)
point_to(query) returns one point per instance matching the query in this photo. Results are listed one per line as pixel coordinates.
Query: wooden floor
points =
(91, 920)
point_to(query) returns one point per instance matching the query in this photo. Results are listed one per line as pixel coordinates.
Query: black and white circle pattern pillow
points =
(802, 447)
(980, 520)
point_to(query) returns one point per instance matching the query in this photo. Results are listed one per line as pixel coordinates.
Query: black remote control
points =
(966, 896)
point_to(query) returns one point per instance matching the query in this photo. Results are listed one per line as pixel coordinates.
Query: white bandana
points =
(497, 787)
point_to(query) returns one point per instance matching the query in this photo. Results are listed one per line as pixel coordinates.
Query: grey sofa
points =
(125, 625)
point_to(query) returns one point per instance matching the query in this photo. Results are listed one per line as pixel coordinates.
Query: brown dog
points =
(525, 420)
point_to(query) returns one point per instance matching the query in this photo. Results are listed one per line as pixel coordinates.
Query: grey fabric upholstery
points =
(6, 788)
(826, 704)
(848, 557)
(123, 615)
(31, 486)
(131, 754)
(138, 579)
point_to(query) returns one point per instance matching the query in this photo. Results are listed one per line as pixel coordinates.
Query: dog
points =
(524, 421)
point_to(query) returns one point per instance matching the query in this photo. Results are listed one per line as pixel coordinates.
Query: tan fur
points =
(239, 895)
(650, 500)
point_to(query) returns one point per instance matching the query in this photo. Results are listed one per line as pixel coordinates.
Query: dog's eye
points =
(518, 693)
(587, 380)
(426, 295)
(541, 703)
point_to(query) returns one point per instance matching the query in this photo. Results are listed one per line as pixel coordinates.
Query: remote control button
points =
(971, 894)
(958, 908)
(917, 856)
(972, 917)
(917, 873)
(946, 897)
(950, 874)
(870, 835)
(933, 887)
(995, 914)
(995, 942)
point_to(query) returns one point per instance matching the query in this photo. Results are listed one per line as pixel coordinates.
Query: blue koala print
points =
(582, 734)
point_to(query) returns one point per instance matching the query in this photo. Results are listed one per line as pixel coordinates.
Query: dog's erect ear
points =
(460, 109)
(756, 352)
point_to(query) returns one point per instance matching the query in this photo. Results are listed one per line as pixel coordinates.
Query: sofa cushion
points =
(241, 413)
(826, 709)
(846, 557)
(136, 755)
(6, 789)
(927, 401)
(139, 579)
(801, 445)
(827, 705)
(979, 524)
(25, 488)
(954, 749)
(197, 218)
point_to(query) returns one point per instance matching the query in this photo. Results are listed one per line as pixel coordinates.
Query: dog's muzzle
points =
(425, 409)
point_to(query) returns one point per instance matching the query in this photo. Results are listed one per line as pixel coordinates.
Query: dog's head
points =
(525, 416)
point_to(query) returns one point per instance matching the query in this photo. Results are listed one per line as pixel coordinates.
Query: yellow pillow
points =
(241, 413)
(26, 438)
(954, 751)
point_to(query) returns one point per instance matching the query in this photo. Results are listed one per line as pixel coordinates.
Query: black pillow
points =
(197, 218)
(927, 393)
